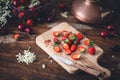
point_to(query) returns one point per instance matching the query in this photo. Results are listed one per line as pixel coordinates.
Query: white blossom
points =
(27, 57)
(34, 3)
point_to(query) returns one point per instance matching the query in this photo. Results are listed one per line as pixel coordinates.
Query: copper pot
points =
(92, 11)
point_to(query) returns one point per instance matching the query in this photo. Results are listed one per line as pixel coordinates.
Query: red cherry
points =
(21, 27)
(28, 30)
(104, 34)
(110, 27)
(21, 14)
(16, 3)
(32, 9)
(29, 22)
(113, 33)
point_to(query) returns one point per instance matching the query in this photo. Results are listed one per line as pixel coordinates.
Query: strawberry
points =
(63, 38)
(68, 51)
(81, 49)
(56, 40)
(72, 37)
(91, 50)
(76, 42)
(57, 49)
(56, 33)
(75, 56)
(79, 36)
(66, 46)
(73, 47)
(65, 33)
(88, 42)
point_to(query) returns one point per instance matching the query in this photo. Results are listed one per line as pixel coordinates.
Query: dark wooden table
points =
(10, 69)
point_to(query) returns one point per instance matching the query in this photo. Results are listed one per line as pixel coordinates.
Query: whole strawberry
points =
(91, 50)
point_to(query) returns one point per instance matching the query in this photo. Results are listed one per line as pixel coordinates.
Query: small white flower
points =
(34, 3)
(64, 14)
(27, 57)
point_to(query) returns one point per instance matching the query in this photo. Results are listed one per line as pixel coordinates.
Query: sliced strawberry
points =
(88, 42)
(73, 47)
(65, 33)
(66, 46)
(57, 49)
(75, 56)
(63, 38)
(68, 51)
(79, 36)
(56, 40)
(91, 50)
(56, 33)
(81, 49)
(77, 41)
(72, 37)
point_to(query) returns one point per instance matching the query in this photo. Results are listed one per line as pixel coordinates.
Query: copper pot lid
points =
(91, 11)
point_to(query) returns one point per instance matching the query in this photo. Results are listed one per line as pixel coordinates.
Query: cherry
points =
(21, 14)
(104, 34)
(21, 27)
(16, 3)
(29, 22)
(32, 9)
(28, 30)
(110, 27)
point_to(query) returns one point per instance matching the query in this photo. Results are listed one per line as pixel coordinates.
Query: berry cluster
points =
(110, 33)
(30, 12)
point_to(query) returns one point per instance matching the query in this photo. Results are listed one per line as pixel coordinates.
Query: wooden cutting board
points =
(86, 59)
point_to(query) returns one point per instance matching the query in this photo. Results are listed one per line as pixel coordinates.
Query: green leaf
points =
(66, 40)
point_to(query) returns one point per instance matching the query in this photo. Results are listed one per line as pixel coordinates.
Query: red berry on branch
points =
(110, 27)
(29, 22)
(21, 27)
(16, 3)
(21, 14)
(104, 34)
(28, 30)
(32, 9)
